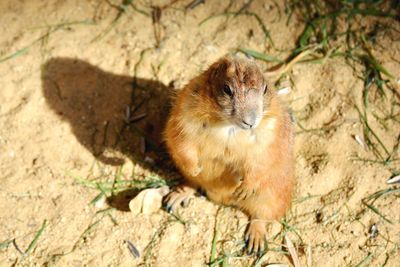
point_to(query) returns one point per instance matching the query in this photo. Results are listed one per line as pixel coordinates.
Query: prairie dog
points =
(229, 135)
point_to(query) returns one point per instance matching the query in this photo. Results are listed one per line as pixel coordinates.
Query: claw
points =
(185, 202)
(250, 248)
(242, 193)
(169, 208)
(255, 238)
(179, 197)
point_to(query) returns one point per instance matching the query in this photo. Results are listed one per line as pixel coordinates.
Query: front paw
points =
(244, 191)
(256, 237)
(180, 196)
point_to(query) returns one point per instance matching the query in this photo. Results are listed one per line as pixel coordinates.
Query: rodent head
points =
(239, 90)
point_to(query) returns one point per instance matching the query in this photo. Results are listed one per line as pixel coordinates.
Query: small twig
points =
(194, 4)
(17, 248)
(286, 67)
(245, 6)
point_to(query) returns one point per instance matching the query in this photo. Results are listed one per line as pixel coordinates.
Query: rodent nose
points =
(250, 119)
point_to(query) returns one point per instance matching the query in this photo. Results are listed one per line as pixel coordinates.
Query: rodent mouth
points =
(245, 126)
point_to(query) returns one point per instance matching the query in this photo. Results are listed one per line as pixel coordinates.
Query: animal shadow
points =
(121, 200)
(111, 115)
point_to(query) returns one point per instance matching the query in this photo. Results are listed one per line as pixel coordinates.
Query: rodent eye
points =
(265, 89)
(227, 90)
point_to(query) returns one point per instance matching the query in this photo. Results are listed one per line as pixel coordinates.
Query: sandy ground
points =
(63, 105)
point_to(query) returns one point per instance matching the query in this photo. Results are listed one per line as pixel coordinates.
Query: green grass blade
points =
(46, 35)
(375, 64)
(16, 54)
(259, 55)
(32, 245)
(365, 260)
(305, 37)
(375, 210)
(6, 243)
(381, 193)
(213, 261)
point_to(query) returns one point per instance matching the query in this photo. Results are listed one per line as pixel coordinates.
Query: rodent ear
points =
(217, 70)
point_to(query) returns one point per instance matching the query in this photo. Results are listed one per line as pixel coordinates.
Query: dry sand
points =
(63, 107)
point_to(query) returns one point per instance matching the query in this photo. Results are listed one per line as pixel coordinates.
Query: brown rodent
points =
(229, 135)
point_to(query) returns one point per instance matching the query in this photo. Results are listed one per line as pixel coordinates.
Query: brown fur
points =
(251, 169)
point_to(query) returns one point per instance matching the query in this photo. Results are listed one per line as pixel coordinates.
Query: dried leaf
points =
(394, 180)
(292, 251)
(284, 91)
(148, 200)
(309, 256)
(360, 141)
(100, 201)
(132, 249)
(156, 14)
